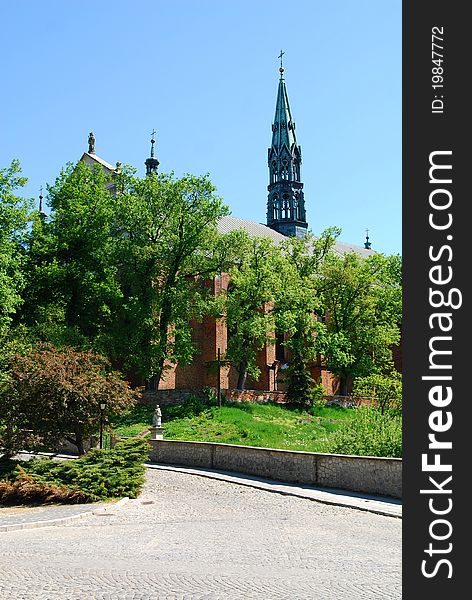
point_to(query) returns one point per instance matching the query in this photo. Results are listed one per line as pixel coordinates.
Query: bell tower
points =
(285, 203)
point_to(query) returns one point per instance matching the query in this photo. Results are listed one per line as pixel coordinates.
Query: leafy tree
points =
(167, 247)
(53, 394)
(361, 305)
(72, 287)
(385, 389)
(248, 301)
(297, 308)
(14, 215)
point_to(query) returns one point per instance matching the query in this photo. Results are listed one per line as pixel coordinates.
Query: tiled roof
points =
(228, 224)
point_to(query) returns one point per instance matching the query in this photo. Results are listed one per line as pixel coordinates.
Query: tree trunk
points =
(242, 376)
(343, 379)
(79, 442)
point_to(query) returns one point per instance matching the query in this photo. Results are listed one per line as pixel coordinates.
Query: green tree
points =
(167, 248)
(72, 284)
(360, 302)
(14, 216)
(53, 394)
(297, 308)
(249, 300)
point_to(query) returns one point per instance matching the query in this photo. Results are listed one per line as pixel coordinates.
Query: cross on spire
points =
(281, 56)
(281, 69)
(153, 141)
(152, 163)
(42, 214)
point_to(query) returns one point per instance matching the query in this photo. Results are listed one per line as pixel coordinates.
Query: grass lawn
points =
(263, 425)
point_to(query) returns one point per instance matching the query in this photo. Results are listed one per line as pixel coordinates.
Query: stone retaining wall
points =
(370, 475)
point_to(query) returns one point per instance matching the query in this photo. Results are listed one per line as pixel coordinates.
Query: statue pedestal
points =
(157, 433)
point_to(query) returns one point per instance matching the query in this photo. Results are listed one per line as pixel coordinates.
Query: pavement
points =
(45, 516)
(202, 536)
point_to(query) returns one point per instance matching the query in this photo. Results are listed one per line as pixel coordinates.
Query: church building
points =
(286, 216)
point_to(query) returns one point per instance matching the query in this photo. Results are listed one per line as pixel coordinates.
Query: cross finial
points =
(153, 141)
(281, 65)
(367, 244)
(41, 211)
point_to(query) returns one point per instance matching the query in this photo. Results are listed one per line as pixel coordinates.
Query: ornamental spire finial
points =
(367, 244)
(152, 163)
(281, 64)
(42, 214)
(153, 141)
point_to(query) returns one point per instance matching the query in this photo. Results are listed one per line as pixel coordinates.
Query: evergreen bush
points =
(99, 475)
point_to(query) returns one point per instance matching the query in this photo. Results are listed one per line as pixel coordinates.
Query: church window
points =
(279, 347)
(286, 204)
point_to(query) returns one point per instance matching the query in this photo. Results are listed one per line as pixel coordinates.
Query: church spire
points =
(152, 163)
(285, 204)
(42, 214)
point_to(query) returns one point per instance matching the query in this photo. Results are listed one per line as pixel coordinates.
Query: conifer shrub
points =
(99, 475)
(24, 490)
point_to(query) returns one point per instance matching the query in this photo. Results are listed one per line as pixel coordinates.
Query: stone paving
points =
(193, 538)
(18, 516)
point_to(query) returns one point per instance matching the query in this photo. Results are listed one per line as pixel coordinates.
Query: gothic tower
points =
(285, 204)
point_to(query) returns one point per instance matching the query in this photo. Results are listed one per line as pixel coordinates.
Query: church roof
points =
(230, 223)
(90, 158)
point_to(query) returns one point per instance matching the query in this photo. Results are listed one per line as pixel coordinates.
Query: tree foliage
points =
(248, 302)
(297, 308)
(360, 302)
(384, 389)
(14, 216)
(53, 394)
(118, 266)
(167, 247)
(73, 291)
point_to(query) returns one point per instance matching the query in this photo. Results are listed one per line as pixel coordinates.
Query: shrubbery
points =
(370, 434)
(52, 393)
(100, 475)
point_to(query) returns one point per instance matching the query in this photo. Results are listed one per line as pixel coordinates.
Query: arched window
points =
(286, 205)
(275, 207)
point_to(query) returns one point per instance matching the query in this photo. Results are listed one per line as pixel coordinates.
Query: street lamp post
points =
(219, 379)
(102, 418)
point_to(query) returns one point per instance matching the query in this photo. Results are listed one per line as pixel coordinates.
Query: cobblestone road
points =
(192, 538)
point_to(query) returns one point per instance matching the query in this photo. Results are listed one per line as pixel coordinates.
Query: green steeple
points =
(285, 204)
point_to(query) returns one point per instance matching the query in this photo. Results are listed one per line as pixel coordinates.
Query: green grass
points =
(263, 425)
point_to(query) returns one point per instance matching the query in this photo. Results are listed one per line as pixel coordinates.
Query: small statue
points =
(91, 143)
(156, 418)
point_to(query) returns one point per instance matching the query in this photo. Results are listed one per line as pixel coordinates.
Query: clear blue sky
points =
(204, 74)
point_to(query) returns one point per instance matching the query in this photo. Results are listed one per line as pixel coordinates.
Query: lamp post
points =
(218, 388)
(102, 418)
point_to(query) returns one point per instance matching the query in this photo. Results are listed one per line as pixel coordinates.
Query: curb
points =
(51, 522)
